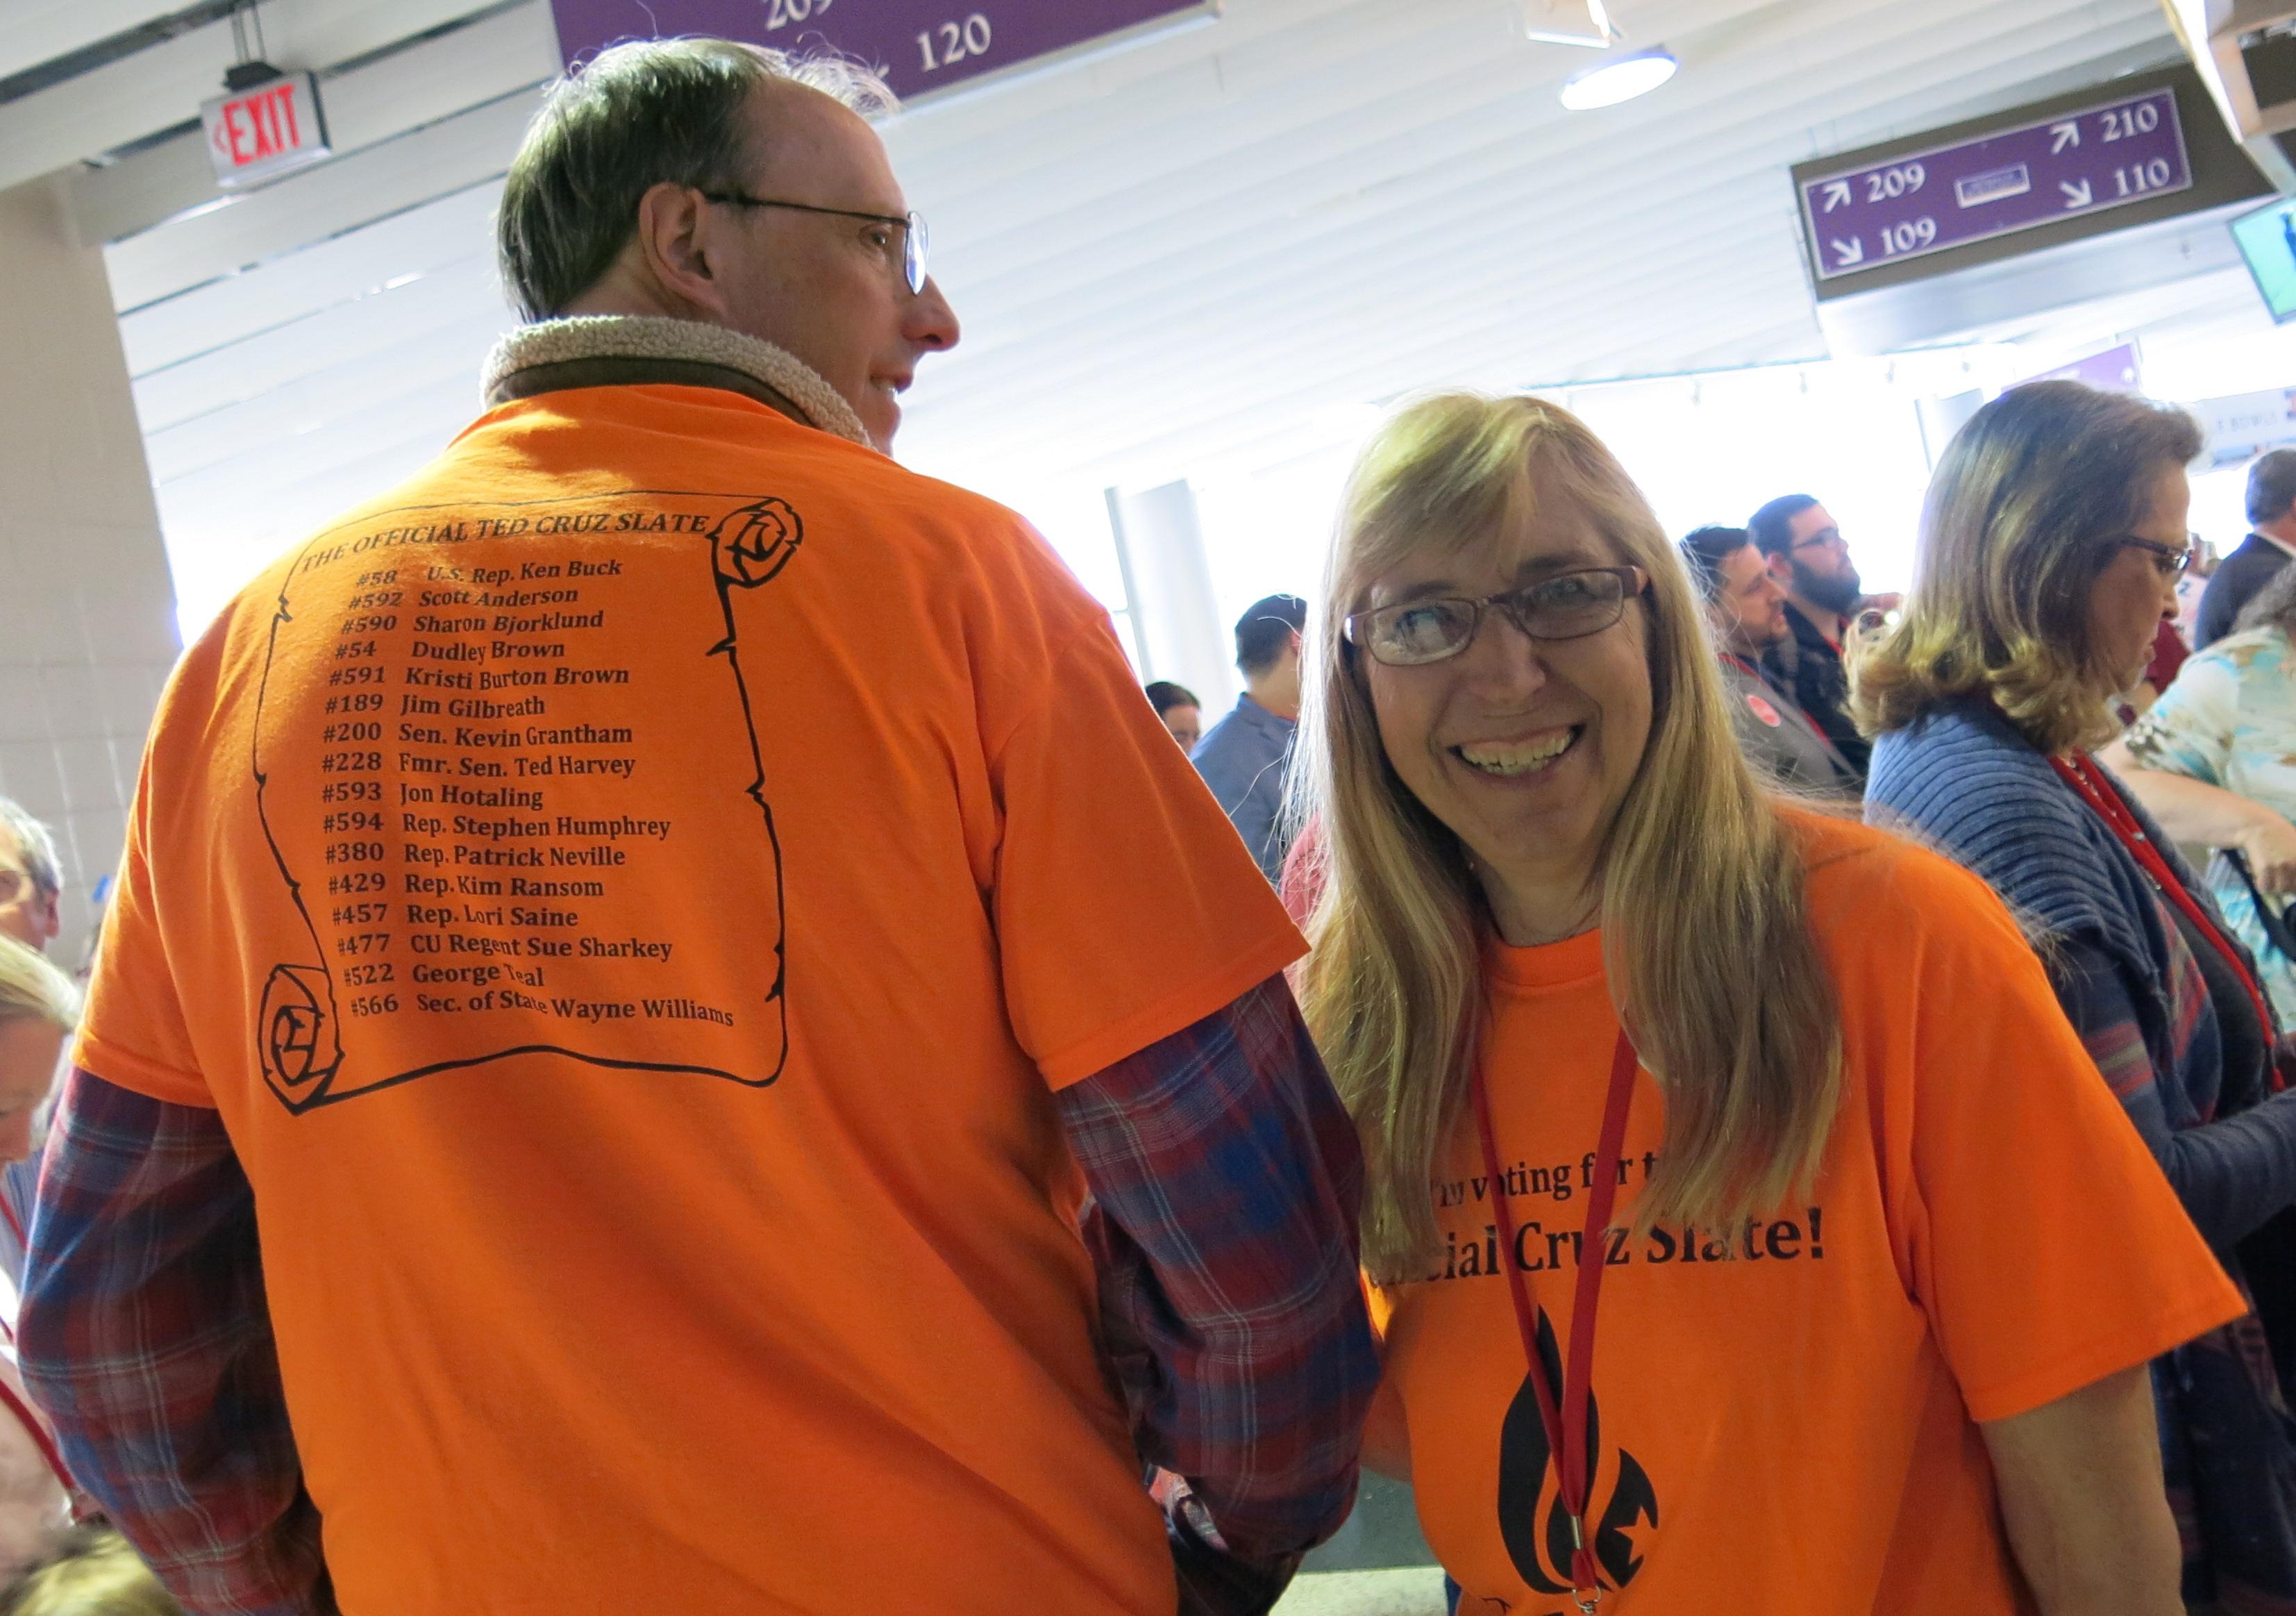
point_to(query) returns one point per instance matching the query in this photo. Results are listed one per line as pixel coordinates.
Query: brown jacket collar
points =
(622, 350)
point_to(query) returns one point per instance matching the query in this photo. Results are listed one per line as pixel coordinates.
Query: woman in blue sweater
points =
(2051, 544)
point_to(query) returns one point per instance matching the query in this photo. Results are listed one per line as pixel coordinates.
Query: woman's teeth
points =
(1512, 758)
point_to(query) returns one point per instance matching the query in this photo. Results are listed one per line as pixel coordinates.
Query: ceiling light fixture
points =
(1581, 22)
(1606, 83)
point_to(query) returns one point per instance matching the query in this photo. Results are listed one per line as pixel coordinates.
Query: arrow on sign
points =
(1837, 194)
(2063, 134)
(2077, 196)
(1851, 251)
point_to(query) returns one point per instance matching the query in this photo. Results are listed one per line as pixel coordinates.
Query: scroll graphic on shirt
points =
(1542, 1557)
(508, 765)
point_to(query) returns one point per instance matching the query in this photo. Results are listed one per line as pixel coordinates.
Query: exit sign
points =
(265, 129)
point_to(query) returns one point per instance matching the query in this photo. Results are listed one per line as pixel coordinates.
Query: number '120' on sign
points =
(955, 42)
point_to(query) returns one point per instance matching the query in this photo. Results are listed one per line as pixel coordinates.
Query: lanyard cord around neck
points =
(2081, 773)
(1563, 1410)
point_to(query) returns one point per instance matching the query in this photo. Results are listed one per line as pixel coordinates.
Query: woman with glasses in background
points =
(1697, 1283)
(2051, 544)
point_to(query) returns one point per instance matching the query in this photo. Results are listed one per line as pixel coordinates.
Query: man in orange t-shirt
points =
(656, 923)
(1786, 1414)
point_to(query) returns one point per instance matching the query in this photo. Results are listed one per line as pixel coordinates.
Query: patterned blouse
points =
(2229, 721)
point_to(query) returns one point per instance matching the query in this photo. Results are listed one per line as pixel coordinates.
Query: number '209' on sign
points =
(944, 45)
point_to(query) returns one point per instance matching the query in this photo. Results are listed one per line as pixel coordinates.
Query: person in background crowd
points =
(1245, 757)
(1746, 612)
(31, 880)
(31, 895)
(1808, 554)
(2256, 559)
(90, 1571)
(38, 1007)
(2190, 590)
(2050, 541)
(2215, 762)
(656, 1246)
(1820, 1377)
(1182, 713)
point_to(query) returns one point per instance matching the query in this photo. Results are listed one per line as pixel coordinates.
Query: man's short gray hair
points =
(35, 848)
(640, 115)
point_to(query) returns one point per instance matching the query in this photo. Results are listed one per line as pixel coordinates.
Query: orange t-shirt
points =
(1784, 1413)
(631, 893)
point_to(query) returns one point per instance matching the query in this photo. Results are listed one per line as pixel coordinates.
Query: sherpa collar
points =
(603, 349)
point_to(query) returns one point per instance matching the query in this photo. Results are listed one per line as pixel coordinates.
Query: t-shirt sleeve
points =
(1127, 907)
(2189, 730)
(133, 1034)
(2037, 1231)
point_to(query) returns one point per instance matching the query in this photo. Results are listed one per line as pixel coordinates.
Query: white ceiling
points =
(1188, 258)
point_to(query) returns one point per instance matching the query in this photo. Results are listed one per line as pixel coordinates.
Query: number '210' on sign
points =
(2065, 165)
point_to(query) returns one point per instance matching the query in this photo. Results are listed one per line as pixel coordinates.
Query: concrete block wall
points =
(87, 629)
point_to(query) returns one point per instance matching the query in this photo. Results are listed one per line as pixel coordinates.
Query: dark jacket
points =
(1807, 664)
(2234, 583)
(1780, 739)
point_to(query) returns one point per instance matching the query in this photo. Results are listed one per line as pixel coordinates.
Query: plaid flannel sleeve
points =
(146, 1336)
(1227, 1179)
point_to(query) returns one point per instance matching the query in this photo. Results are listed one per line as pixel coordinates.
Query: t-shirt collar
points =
(1566, 964)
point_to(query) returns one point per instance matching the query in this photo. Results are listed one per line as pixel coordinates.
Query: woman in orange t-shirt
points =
(1749, 1229)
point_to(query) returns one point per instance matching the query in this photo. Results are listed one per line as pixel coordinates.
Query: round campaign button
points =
(1763, 711)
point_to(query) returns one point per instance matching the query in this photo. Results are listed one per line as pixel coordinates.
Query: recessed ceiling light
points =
(1606, 83)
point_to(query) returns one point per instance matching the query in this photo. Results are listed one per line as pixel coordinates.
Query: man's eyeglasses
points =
(1830, 538)
(1568, 606)
(915, 239)
(2172, 562)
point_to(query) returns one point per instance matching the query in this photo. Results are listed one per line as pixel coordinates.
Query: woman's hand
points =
(2081, 1495)
(2270, 850)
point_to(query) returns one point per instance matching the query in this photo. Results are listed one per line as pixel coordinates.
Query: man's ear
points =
(1781, 566)
(676, 233)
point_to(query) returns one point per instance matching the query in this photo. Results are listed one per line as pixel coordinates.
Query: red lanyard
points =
(1566, 1439)
(1747, 668)
(2082, 774)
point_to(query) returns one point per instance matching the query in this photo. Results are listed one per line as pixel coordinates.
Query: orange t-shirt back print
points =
(631, 893)
(488, 715)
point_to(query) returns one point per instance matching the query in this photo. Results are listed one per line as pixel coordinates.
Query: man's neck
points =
(2281, 533)
(1827, 622)
(1284, 703)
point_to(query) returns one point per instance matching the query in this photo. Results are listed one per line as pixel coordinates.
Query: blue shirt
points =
(1244, 759)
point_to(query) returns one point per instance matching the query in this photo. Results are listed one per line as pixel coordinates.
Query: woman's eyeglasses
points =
(1568, 606)
(2173, 561)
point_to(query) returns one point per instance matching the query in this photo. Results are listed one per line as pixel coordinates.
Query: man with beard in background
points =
(1808, 555)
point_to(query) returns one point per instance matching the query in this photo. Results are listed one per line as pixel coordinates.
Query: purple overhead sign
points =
(2077, 163)
(919, 45)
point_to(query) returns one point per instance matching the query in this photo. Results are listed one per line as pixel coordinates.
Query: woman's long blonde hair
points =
(31, 987)
(1705, 939)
